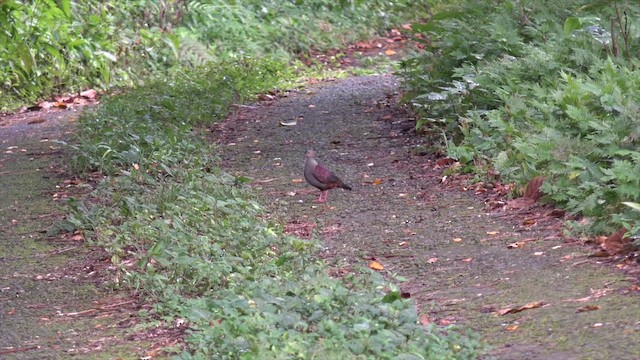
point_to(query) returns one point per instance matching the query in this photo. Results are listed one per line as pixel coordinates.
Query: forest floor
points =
(470, 257)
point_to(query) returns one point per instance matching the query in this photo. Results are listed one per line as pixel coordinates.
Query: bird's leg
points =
(320, 199)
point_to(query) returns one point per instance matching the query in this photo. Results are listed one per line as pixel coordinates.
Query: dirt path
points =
(453, 253)
(51, 303)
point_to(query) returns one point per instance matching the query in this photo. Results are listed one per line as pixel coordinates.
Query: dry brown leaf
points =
(377, 182)
(390, 52)
(533, 188)
(512, 328)
(89, 94)
(424, 319)
(532, 305)
(617, 244)
(588, 308)
(375, 265)
(529, 221)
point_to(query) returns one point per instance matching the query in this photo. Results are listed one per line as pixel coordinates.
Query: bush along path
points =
(52, 303)
(504, 274)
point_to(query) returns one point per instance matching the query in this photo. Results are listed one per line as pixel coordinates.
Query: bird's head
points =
(311, 153)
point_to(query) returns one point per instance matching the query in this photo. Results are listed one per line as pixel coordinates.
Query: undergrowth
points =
(539, 88)
(49, 47)
(192, 239)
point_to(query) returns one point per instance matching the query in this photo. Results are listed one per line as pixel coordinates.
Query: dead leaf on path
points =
(89, 94)
(516, 245)
(617, 243)
(424, 319)
(529, 221)
(514, 310)
(377, 182)
(533, 188)
(289, 122)
(512, 327)
(588, 308)
(390, 52)
(77, 237)
(60, 105)
(375, 265)
(37, 121)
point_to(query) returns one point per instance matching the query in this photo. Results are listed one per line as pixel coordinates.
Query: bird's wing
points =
(325, 175)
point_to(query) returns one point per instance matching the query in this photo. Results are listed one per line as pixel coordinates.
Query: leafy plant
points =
(538, 89)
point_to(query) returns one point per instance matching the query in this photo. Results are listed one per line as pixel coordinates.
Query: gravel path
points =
(451, 250)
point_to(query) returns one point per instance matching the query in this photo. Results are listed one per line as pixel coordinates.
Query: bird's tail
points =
(345, 186)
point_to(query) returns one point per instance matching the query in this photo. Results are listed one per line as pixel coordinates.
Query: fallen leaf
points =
(375, 265)
(532, 305)
(289, 122)
(588, 308)
(617, 243)
(533, 188)
(467, 260)
(37, 121)
(529, 221)
(77, 237)
(512, 328)
(60, 105)
(377, 182)
(424, 319)
(89, 94)
(390, 52)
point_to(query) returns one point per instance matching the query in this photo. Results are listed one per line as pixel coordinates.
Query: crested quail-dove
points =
(321, 177)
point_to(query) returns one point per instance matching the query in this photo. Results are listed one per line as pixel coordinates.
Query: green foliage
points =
(192, 239)
(48, 47)
(539, 88)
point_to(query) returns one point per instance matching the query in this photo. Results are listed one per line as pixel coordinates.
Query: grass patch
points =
(192, 239)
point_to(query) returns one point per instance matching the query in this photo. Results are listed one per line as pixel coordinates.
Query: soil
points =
(540, 298)
(52, 301)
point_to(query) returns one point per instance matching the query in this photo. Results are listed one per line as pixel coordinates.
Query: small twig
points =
(396, 255)
(12, 351)
(101, 308)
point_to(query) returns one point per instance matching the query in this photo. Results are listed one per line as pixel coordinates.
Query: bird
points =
(321, 177)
